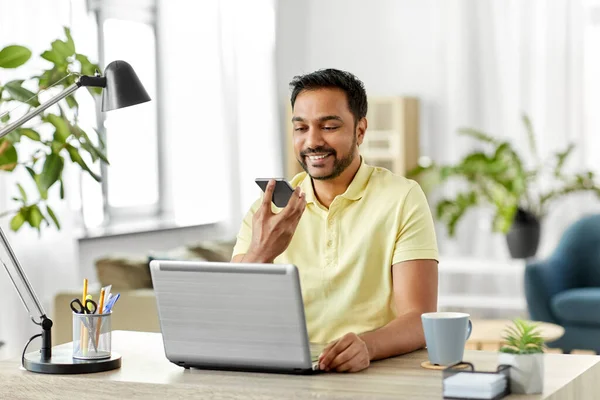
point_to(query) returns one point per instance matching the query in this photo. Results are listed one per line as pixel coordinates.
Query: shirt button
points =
(329, 243)
(330, 222)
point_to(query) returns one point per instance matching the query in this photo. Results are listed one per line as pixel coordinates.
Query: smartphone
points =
(282, 193)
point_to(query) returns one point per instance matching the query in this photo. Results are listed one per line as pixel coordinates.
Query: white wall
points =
(438, 51)
(393, 46)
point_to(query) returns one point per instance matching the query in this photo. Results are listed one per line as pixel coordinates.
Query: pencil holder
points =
(91, 336)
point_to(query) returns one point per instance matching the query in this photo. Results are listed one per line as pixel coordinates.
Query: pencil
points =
(83, 336)
(85, 283)
(100, 307)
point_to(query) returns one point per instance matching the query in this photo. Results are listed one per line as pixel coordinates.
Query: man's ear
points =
(361, 128)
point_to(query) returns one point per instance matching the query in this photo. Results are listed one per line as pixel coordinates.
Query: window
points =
(190, 155)
(130, 184)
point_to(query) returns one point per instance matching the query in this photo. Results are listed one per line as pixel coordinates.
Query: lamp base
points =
(62, 362)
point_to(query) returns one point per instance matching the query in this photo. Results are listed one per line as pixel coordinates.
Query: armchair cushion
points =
(132, 272)
(124, 272)
(577, 306)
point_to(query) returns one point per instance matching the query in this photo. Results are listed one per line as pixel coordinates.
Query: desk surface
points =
(146, 373)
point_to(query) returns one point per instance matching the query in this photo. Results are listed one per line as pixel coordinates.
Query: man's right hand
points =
(271, 232)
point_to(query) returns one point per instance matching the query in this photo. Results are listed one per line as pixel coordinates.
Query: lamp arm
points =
(45, 322)
(84, 80)
(38, 110)
(22, 277)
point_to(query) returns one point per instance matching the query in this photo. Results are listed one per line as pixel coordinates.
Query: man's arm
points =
(415, 292)
(415, 285)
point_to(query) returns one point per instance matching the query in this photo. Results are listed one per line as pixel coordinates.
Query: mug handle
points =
(469, 329)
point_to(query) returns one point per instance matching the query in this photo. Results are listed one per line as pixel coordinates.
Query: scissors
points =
(90, 306)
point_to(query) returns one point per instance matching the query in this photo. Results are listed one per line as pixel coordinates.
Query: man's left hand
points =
(347, 354)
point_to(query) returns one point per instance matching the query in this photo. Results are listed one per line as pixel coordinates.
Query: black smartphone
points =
(282, 192)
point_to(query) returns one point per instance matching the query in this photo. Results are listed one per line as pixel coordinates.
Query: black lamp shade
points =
(123, 87)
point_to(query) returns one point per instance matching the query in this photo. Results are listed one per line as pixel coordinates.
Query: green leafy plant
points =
(522, 338)
(48, 142)
(497, 175)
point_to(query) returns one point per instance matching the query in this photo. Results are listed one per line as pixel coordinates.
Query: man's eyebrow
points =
(330, 117)
(322, 119)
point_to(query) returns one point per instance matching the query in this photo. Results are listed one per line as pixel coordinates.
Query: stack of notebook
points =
(465, 385)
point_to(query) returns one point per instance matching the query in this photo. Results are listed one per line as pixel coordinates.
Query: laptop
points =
(233, 316)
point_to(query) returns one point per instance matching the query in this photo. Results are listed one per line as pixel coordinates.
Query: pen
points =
(110, 304)
(107, 303)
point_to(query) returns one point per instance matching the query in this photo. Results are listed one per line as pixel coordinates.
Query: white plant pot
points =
(526, 372)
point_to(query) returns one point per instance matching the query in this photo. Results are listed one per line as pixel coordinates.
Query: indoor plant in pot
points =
(524, 352)
(48, 143)
(495, 174)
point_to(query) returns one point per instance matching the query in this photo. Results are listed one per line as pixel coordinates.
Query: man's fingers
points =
(268, 197)
(296, 204)
(345, 356)
(326, 350)
(294, 198)
(354, 364)
(340, 346)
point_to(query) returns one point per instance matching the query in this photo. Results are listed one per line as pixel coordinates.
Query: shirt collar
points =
(355, 190)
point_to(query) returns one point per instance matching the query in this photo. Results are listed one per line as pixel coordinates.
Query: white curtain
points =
(218, 79)
(249, 87)
(502, 58)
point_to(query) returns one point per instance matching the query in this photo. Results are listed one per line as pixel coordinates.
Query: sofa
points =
(565, 288)
(130, 277)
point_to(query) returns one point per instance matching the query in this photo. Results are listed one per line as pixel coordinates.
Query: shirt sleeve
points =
(416, 238)
(244, 236)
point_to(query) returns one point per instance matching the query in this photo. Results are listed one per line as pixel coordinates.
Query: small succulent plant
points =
(523, 338)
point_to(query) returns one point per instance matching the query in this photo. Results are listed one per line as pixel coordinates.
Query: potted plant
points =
(524, 352)
(495, 174)
(50, 141)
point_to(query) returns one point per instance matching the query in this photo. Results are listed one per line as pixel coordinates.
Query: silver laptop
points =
(233, 316)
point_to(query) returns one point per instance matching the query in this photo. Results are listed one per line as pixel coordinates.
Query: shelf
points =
(481, 266)
(505, 303)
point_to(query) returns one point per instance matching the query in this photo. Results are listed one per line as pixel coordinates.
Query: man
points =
(361, 237)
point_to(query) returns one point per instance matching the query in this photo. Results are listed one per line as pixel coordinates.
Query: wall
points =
(393, 46)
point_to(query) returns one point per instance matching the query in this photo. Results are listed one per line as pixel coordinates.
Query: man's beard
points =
(339, 165)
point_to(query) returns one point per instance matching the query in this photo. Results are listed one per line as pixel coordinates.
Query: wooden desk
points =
(146, 374)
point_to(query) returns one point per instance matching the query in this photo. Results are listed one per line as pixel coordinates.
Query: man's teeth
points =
(318, 157)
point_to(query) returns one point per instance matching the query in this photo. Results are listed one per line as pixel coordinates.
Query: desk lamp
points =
(121, 88)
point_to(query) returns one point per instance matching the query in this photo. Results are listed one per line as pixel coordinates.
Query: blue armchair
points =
(565, 288)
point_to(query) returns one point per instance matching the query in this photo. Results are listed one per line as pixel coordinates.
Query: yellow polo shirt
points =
(344, 254)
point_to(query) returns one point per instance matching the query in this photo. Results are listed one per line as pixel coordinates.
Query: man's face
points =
(326, 137)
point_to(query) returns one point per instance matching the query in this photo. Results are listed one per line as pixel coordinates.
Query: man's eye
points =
(300, 128)
(330, 128)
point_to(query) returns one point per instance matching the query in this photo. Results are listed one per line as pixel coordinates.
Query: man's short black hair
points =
(334, 78)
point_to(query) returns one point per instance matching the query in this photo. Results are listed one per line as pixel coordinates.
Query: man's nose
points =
(314, 138)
